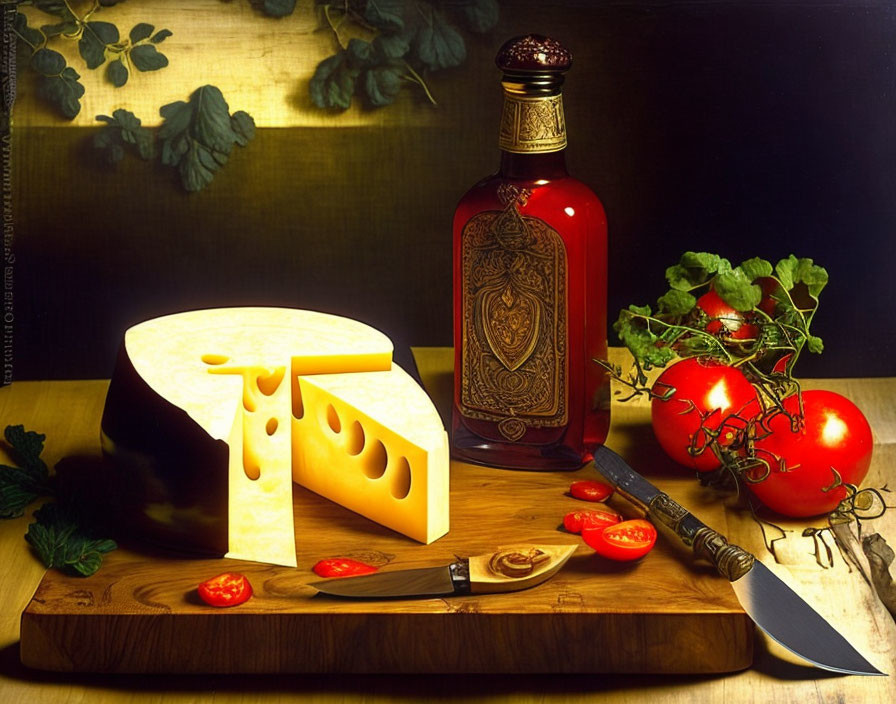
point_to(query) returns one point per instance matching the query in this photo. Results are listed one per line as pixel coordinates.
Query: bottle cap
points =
(533, 53)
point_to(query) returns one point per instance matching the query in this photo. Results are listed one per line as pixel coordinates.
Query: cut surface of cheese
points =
(374, 443)
(229, 394)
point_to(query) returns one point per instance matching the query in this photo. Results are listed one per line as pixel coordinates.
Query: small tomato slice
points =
(577, 521)
(589, 490)
(628, 540)
(342, 567)
(226, 589)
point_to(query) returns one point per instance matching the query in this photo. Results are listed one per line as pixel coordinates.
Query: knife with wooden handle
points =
(772, 605)
(507, 569)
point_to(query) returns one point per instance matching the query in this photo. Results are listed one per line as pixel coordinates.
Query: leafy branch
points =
(777, 302)
(63, 535)
(99, 43)
(396, 43)
(197, 136)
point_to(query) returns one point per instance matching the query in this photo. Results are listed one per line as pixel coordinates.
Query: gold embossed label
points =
(532, 124)
(514, 357)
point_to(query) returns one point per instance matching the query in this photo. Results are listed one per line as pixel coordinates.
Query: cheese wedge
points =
(374, 443)
(202, 418)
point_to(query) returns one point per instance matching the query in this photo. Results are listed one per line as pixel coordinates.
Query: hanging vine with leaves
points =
(382, 46)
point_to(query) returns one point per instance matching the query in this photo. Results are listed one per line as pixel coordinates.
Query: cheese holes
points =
(375, 460)
(333, 419)
(214, 359)
(271, 426)
(298, 408)
(269, 383)
(354, 441)
(401, 479)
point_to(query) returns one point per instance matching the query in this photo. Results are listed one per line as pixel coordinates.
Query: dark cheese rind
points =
(172, 476)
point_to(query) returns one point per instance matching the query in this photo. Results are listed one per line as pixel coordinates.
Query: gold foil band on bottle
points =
(532, 125)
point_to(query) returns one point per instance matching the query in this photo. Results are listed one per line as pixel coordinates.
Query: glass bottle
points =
(530, 286)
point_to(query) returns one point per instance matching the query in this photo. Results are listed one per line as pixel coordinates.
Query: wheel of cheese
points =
(211, 414)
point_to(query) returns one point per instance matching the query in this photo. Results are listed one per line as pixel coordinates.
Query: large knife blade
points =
(772, 605)
(505, 570)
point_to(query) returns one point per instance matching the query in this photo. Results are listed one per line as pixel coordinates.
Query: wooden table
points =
(69, 411)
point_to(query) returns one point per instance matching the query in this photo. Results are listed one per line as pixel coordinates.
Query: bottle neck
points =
(530, 167)
(532, 135)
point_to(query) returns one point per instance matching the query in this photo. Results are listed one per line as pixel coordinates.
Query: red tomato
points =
(629, 540)
(577, 521)
(834, 436)
(227, 589)
(705, 394)
(589, 490)
(725, 321)
(342, 567)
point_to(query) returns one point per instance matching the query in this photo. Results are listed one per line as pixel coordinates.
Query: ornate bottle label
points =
(532, 124)
(514, 356)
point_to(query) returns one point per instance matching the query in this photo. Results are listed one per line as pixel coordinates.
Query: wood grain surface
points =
(64, 409)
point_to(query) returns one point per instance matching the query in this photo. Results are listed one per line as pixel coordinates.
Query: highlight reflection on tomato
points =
(706, 392)
(834, 437)
(626, 541)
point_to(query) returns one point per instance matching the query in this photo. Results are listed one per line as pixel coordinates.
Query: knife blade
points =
(772, 605)
(507, 569)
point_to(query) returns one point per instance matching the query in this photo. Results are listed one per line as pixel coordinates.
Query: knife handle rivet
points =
(732, 561)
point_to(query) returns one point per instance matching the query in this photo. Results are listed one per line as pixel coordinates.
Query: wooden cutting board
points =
(664, 614)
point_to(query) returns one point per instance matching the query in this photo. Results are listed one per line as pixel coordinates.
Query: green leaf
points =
(53, 7)
(48, 62)
(64, 90)
(31, 35)
(117, 73)
(19, 486)
(92, 45)
(28, 446)
(479, 15)
(123, 128)
(243, 127)
(197, 136)
(391, 46)
(815, 344)
(438, 45)
(676, 302)
(62, 538)
(141, 31)
(387, 15)
(147, 58)
(360, 53)
(161, 36)
(333, 82)
(58, 28)
(279, 8)
(737, 290)
(643, 343)
(695, 269)
(756, 268)
(792, 271)
(382, 84)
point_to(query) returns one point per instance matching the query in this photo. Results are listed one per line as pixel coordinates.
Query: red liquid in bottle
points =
(530, 273)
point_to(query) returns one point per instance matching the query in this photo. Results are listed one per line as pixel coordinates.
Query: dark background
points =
(741, 128)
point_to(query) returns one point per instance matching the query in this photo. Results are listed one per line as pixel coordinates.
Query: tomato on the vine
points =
(725, 321)
(226, 589)
(807, 466)
(625, 541)
(590, 490)
(705, 393)
(577, 521)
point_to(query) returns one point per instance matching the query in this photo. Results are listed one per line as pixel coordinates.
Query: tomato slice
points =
(577, 521)
(589, 490)
(629, 540)
(226, 589)
(342, 567)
